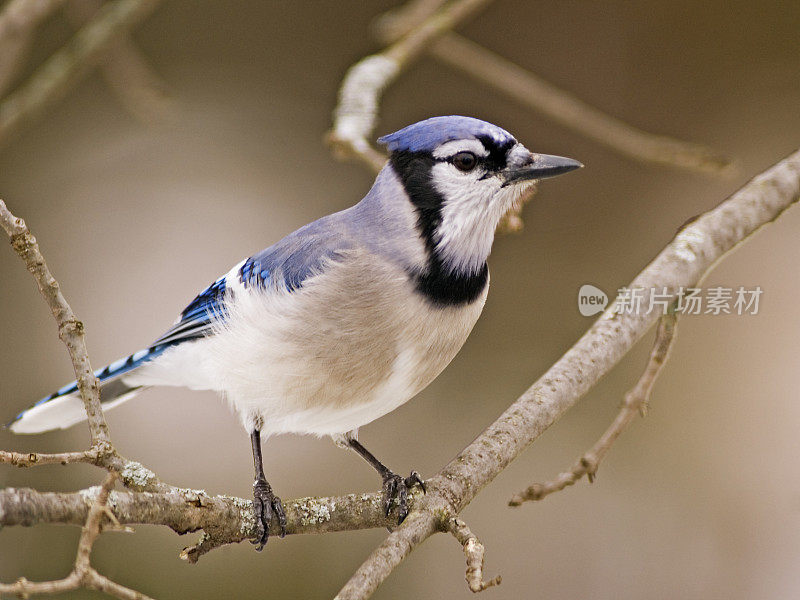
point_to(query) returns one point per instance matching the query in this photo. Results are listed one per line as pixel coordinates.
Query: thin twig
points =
(359, 96)
(94, 519)
(97, 581)
(134, 475)
(70, 63)
(126, 71)
(418, 526)
(70, 329)
(22, 588)
(356, 114)
(473, 551)
(635, 402)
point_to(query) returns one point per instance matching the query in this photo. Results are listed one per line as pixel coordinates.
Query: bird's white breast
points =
(355, 342)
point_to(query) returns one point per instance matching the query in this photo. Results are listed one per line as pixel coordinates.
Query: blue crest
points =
(426, 135)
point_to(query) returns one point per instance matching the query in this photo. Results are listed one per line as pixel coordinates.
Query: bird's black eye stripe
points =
(498, 152)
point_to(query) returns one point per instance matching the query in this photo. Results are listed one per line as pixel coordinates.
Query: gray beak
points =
(539, 166)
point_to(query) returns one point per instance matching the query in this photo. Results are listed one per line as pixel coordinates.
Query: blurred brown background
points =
(699, 500)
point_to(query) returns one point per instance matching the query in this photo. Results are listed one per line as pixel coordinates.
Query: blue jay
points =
(348, 317)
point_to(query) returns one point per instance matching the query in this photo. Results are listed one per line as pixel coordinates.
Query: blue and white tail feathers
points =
(64, 407)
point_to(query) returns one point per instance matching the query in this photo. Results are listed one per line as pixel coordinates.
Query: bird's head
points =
(462, 175)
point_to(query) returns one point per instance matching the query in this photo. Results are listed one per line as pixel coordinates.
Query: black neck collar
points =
(439, 284)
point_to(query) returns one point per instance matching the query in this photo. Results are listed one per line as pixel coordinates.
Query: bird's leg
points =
(265, 503)
(394, 486)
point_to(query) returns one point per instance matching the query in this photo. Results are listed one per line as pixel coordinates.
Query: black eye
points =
(465, 161)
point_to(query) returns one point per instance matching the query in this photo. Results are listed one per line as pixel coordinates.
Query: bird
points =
(348, 317)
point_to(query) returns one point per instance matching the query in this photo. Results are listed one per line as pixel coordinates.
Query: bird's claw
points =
(266, 505)
(396, 487)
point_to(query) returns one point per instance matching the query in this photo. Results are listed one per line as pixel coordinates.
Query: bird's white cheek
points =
(470, 212)
(453, 184)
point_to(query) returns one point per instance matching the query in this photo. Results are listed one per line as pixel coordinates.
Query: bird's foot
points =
(266, 505)
(396, 488)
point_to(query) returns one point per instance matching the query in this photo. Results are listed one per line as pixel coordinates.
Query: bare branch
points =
(418, 526)
(70, 330)
(92, 527)
(70, 63)
(30, 459)
(473, 551)
(90, 578)
(96, 581)
(357, 112)
(101, 453)
(22, 588)
(226, 519)
(18, 20)
(134, 475)
(635, 402)
(126, 71)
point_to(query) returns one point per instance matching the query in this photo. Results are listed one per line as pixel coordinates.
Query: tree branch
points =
(19, 459)
(423, 25)
(397, 22)
(229, 519)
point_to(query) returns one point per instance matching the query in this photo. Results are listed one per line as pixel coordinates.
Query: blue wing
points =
(196, 319)
(286, 264)
(297, 256)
